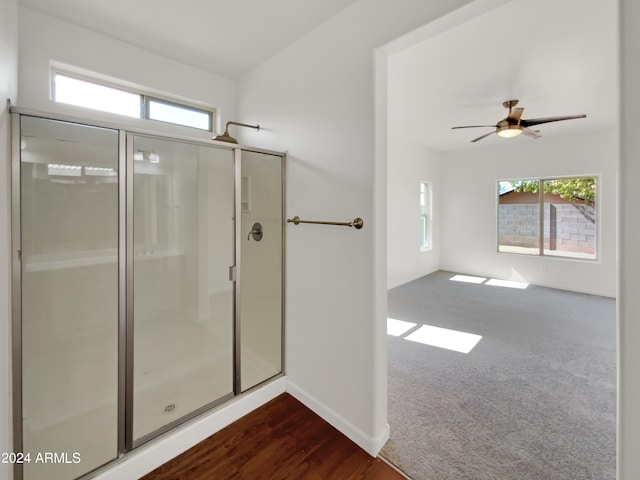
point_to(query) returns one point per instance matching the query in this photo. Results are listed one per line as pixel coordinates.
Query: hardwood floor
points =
(283, 439)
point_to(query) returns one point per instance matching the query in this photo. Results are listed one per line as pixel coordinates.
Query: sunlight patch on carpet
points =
(397, 328)
(493, 282)
(455, 340)
(506, 283)
(467, 279)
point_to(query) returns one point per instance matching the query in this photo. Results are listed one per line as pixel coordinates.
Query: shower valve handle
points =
(256, 232)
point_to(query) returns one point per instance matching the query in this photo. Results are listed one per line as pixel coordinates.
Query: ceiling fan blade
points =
(531, 133)
(474, 126)
(483, 136)
(516, 113)
(537, 121)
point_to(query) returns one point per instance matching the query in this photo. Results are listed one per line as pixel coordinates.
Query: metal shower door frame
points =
(129, 442)
(125, 442)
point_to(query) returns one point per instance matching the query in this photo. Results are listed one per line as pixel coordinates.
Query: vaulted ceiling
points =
(556, 57)
(224, 37)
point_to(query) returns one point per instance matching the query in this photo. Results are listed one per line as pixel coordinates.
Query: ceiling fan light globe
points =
(510, 131)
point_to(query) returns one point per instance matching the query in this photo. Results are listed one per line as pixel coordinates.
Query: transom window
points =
(554, 216)
(97, 96)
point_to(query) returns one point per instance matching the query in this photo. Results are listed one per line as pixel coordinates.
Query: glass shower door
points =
(183, 238)
(69, 304)
(261, 291)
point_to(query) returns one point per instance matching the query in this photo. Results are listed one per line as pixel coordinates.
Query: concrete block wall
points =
(567, 227)
(518, 225)
(571, 227)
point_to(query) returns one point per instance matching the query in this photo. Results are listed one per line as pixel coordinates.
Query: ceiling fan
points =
(513, 125)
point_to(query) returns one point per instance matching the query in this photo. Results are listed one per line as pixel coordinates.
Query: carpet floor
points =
(535, 399)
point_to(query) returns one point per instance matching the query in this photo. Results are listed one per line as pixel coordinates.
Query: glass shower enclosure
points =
(143, 294)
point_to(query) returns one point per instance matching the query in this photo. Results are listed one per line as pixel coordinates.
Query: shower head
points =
(225, 137)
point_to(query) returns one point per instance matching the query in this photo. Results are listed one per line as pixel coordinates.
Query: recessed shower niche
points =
(141, 296)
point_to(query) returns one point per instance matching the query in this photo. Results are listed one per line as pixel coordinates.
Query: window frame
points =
(542, 218)
(145, 99)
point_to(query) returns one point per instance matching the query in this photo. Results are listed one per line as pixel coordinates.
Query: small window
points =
(425, 216)
(549, 216)
(77, 92)
(97, 96)
(179, 114)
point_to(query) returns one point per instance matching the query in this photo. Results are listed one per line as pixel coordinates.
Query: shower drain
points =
(169, 409)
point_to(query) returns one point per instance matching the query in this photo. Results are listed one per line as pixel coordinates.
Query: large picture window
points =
(552, 216)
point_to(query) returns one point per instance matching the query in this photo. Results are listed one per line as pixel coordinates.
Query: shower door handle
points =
(256, 232)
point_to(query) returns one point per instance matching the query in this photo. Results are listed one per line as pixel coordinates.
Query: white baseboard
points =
(379, 441)
(157, 452)
(371, 445)
(149, 457)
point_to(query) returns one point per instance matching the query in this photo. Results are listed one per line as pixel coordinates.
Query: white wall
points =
(408, 165)
(315, 100)
(469, 206)
(44, 39)
(8, 90)
(629, 254)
